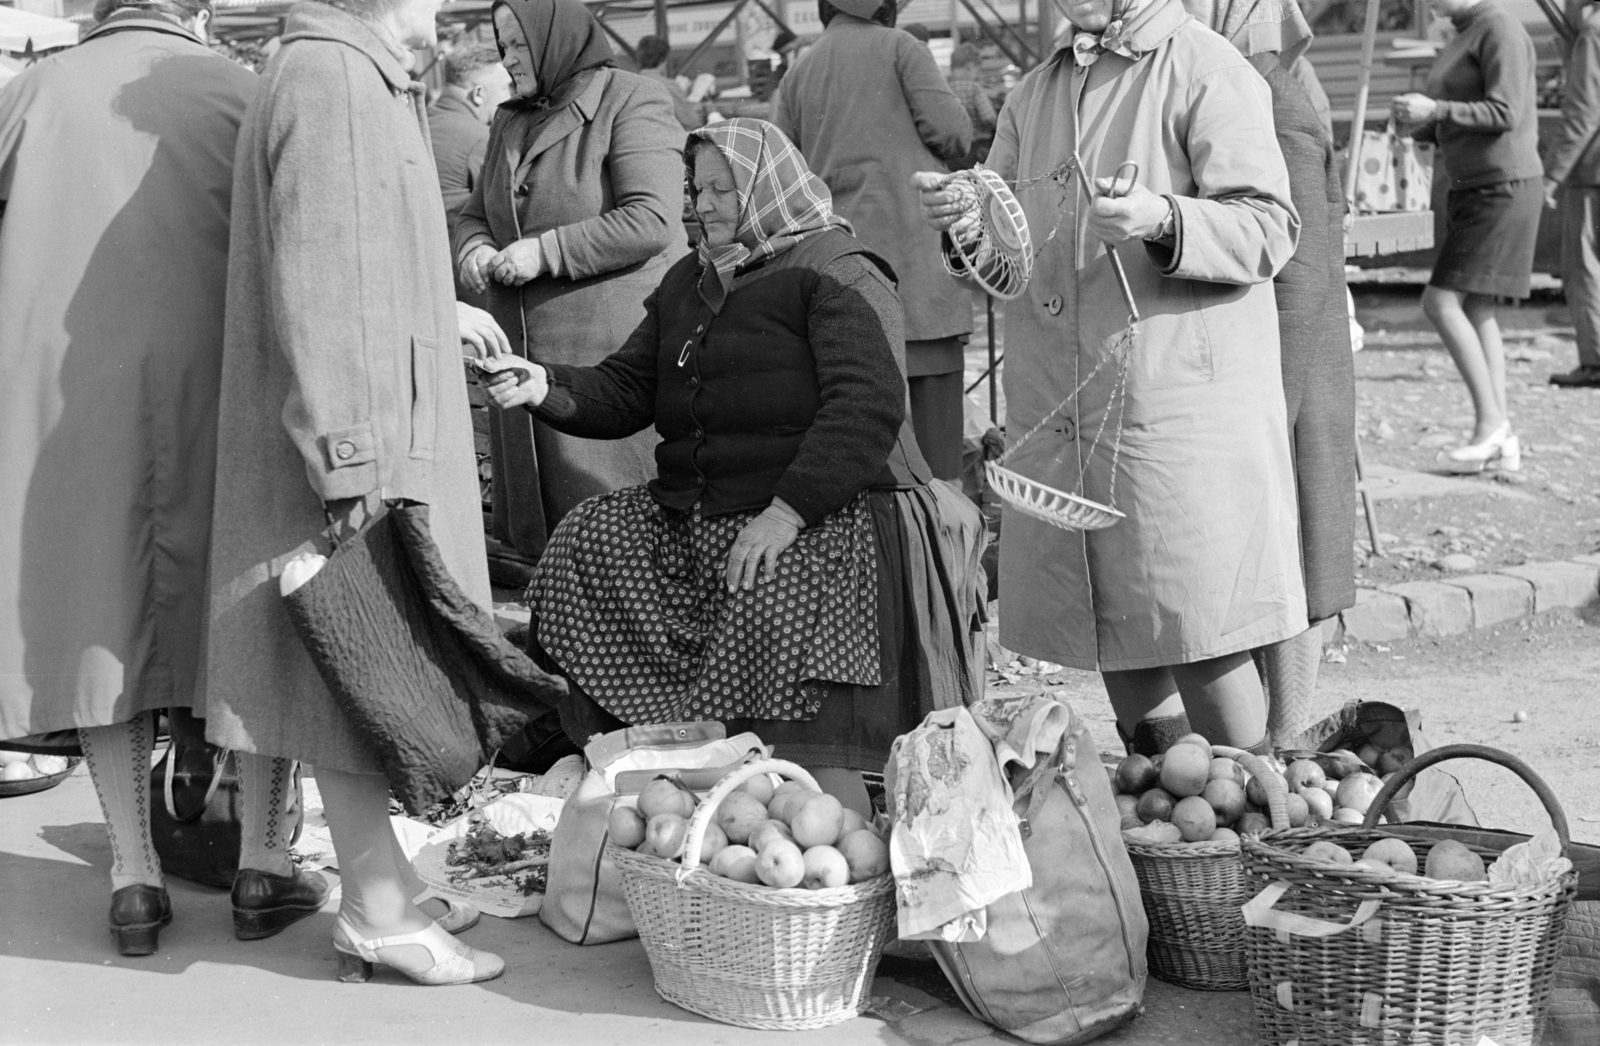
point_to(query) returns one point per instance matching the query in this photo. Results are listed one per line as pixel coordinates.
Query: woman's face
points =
(1089, 15)
(716, 198)
(515, 53)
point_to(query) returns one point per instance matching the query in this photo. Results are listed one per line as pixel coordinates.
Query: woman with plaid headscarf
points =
(791, 569)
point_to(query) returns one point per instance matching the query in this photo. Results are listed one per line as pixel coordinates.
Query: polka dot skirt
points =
(632, 602)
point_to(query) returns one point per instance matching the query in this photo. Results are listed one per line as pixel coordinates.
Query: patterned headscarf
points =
(1256, 26)
(780, 201)
(1087, 47)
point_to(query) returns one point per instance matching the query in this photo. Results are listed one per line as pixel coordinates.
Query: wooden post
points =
(661, 20)
(1358, 118)
(1047, 29)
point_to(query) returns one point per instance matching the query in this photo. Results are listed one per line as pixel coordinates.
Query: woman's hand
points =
(480, 331)
(1415, 109)
(940, 209)
(475, 268)
(1137, 215)
(518, 263)
(760, 543)
(512, 381)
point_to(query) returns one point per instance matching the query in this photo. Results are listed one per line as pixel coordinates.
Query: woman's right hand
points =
(475, 268)
(512, 381)
(940, 209)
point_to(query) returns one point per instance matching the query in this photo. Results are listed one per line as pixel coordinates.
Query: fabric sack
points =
(197, 812)
(1062, 961)
(583, 900)
(1396, 173)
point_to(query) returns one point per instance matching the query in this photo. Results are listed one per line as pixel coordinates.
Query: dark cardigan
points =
(794, 390)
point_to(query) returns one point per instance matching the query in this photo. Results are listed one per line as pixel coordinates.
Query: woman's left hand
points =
(518, 263)
(1134, 216)
(761, 542)
(1415, 108)
(480, 331)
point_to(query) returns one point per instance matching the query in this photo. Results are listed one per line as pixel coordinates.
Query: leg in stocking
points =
(1445, 308)
(375, 899)
(1289, 670)
(267, 783)
(845, 786)
(1150, 714)
(1480, 313)
(119, 764)
(1223, 698)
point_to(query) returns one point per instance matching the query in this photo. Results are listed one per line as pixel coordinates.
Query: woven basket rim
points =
(704, 881)
(1183, 851)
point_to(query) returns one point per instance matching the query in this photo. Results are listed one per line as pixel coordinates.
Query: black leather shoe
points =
(138, 914)
(264, 903)
(1584, 377)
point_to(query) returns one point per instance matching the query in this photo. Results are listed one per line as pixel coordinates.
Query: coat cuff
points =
(550, 247)
(472, 245)
(348, 467)
(1164, 256)
(811, 504)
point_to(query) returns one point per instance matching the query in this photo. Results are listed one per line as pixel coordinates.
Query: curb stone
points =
(1452, 605)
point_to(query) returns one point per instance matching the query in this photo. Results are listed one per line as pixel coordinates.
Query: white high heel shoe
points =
(457, 917)
(1500, 448)
(451, 962)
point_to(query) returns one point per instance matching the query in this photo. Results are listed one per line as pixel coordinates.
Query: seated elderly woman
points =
(791, 569)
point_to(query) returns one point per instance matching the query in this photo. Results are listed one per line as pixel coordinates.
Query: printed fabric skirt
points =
(873, 621)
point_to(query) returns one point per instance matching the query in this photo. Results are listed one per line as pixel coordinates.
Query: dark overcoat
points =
(116, 167)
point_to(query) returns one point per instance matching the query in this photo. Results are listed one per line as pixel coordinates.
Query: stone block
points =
(1558, 584)
(1593, 560)
(1377, 617)
(1496, 598)
(1436, 609)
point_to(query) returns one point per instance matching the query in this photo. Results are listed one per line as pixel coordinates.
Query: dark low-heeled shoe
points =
(138, 914)
(265, 904)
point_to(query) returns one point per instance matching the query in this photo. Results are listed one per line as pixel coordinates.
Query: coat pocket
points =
(424, 395)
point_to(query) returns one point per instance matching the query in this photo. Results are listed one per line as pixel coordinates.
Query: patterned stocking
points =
(266, 784)
(119, 764)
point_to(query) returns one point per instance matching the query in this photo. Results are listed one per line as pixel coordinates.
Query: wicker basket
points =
(1340, 956)
(1192, 893)
(751, 955)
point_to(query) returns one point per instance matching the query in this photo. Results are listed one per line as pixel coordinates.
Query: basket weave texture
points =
(1192, 893)
(1441, 963)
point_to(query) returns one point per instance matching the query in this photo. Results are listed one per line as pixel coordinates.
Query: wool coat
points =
(1319, 382)
(868, 108)
(116, 167)
(601, 185)
(460, 141)
(1206, 562)
(341, 371)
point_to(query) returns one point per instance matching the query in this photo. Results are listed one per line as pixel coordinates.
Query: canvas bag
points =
(1062, 961)
(1396, 173)
(583, 900)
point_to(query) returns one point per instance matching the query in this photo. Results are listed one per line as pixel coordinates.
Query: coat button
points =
(700, 329)
(699, 481)
(523, 190)
(1054, 304)
(698, 434)
(344, 450)
(694, 383)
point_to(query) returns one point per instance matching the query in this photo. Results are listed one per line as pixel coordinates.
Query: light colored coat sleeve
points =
(1240, 226)
(941, 119)
(1580, 104)
(320, 278)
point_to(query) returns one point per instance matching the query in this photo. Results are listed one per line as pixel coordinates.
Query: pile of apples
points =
(1186, 795)
(1392, 858)
(20, 766)
(782, 836)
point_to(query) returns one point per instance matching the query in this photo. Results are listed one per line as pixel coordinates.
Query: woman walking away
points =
(1314, 335)
(341, 388)
(1479, 107)
(116, 165)
(575, 220)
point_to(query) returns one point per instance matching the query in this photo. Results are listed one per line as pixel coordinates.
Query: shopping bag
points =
(1395, 174)
(583, 900)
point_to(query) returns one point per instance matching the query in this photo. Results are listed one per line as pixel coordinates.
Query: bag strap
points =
(1036, 786)
(1259, 911)
(219, 760)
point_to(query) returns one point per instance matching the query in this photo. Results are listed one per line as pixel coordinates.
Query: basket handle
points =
(1260, 911)
(1277, 788)
(724, 788)
(1398, 779)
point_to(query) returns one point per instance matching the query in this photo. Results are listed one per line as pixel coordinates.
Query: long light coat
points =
(342, 372)
(116, 166)
(1206, 563)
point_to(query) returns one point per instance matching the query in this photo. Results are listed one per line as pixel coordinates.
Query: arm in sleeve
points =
(646, 165)
(1240, 227)
(986, 114)
(855, 324)
(1580, 106)
(472, 224)
(1507, 65)
(613, 399)
(941, 119)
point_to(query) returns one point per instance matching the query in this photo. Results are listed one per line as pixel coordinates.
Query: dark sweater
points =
(1487, 124)
(794, 390)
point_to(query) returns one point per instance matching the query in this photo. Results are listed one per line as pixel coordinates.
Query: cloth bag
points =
(422, 671)
(1063, 960)
(1396, 173)
(583, 900)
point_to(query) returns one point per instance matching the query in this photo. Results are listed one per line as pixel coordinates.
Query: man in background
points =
(966, 80)
(1573, 168)
(475, 83)
(653, 52)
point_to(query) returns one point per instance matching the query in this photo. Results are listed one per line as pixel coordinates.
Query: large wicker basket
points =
(751, 955)
(1342, 956)
(1192, 893)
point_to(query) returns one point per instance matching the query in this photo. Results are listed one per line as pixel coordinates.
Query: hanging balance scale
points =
(991, 245)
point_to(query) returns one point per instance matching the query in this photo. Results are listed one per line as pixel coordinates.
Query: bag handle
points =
(219, 760)
(1403, 776)
(708, 806)
(1260, 911)
(1276, 787)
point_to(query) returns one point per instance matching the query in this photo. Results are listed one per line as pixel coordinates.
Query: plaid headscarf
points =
(1256, 26)
(780, 201)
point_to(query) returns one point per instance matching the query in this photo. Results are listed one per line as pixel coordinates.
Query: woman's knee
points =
(1437, 302)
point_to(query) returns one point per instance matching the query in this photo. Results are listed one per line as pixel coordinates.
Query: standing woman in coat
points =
(342, 388)
(116, 165)
(868, 107)
(1314, 335)
(577, 217)
(1168, 603)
